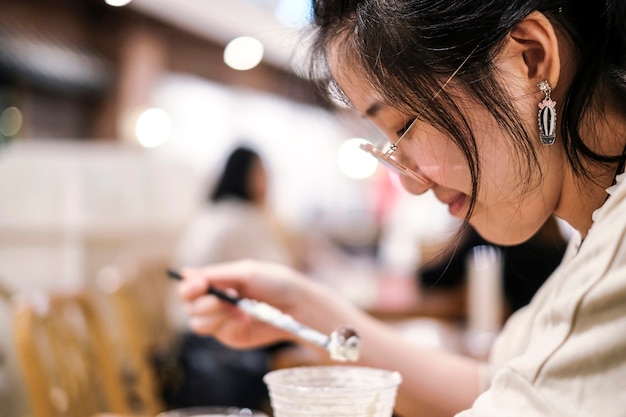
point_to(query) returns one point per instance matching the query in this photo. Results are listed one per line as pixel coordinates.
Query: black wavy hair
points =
(405, 49)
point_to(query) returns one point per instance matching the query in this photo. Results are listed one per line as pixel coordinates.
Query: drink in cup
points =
(332, 391)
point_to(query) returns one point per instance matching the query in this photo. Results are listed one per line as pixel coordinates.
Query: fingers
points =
(274, 284)
(193, 285)
(229, 275)
(207, 315)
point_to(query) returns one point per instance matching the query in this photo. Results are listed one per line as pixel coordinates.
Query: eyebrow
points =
(373, 109)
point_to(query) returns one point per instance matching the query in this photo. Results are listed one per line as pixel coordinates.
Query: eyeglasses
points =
(386, 155)
(387, 158)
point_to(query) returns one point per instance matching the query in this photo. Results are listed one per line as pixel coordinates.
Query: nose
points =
(415, 183)
(413, 179)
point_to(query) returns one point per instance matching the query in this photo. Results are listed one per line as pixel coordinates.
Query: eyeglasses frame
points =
(385, 157)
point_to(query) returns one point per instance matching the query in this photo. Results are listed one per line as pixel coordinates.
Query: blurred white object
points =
(117, 3)
(243, 53)
(153, 128)
(213, 411)
(485, 302)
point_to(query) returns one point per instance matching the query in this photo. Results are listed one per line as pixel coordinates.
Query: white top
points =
(564, 354)
(229, 230)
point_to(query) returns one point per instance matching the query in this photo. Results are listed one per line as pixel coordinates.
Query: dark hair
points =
(234, 179)
(407, 49)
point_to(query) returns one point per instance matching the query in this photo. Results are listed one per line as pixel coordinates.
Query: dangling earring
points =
(547, 115)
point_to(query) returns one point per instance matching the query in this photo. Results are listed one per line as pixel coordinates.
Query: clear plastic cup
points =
(332, 391)
(211, 411)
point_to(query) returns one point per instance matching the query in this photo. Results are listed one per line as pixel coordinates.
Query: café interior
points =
(116, 117)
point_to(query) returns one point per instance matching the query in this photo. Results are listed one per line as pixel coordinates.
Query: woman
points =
(508, 111)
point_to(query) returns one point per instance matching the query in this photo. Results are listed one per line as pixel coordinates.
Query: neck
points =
(604, 134)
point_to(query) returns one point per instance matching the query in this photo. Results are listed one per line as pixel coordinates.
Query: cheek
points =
(439, 159)
(505, 172)
(411, 186)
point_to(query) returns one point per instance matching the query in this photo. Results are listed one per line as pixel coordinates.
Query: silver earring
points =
(547, 115)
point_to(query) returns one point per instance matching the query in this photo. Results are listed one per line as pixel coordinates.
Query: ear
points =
(534, 50)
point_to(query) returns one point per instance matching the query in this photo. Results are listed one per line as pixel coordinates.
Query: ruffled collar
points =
(619, 180)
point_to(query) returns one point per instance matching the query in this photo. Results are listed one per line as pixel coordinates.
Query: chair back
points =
(136, 291)
(65, 357)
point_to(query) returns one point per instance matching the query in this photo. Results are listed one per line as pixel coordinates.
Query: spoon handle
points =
(266, 313)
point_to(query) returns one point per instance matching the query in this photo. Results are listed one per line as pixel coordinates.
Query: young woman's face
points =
(505, 211)
(258, 181)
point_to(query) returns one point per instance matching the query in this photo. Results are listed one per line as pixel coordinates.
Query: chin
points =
(503, 236)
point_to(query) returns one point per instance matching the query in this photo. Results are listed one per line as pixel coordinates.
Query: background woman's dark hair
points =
(407, 49)
(233, 181)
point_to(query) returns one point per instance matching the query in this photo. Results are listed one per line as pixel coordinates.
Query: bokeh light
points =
(11, 121)
(153, 128)
(243, 53)
(354, 162)
(117, 3)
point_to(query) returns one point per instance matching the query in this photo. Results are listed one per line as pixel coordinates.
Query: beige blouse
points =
(565, 353)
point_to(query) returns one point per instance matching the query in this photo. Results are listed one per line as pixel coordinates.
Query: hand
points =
(274, 284)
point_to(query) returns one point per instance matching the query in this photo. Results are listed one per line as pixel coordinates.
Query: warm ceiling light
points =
(243, 53)
(153, 128)
(117, 3)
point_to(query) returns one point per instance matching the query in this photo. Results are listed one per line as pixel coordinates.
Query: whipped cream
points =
(344, 345)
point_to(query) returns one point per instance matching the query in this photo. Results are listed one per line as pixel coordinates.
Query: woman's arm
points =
(435, 383)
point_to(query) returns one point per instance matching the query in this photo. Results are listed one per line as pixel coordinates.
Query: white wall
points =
(298, 141)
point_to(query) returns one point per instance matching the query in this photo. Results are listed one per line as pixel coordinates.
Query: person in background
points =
(236, 222)
(510, 111)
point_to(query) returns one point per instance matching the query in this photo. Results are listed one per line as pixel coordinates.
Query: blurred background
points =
(116, 117)
(115, 120)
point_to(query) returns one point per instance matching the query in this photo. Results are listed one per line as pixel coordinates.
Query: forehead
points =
(347, 73)
(365, 100)
(354, 86)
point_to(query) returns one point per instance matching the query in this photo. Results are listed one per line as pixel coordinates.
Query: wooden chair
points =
(136, 291)
(65, 357)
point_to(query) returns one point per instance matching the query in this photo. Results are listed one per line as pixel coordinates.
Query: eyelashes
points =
(406, 127)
